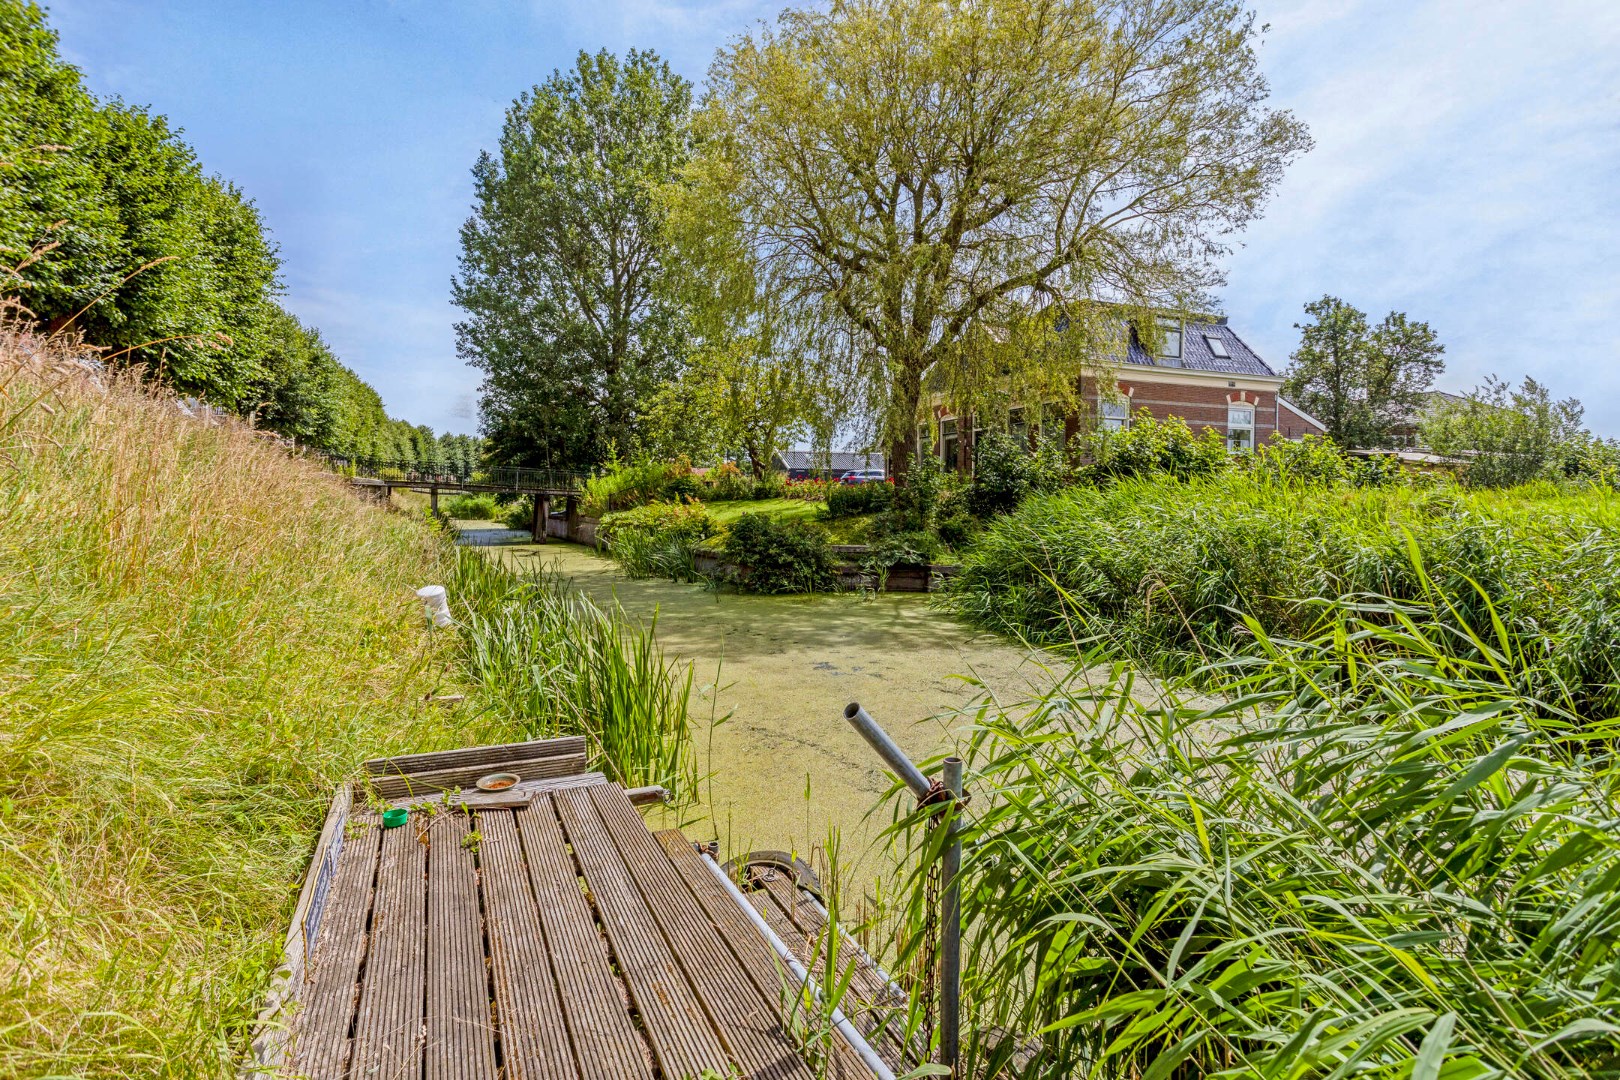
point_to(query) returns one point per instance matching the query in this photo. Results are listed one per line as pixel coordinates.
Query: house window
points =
(1239, 428)
(1018, 426)
(1217, 347)
(948, 443)
(1114, 415)
(1170, 351)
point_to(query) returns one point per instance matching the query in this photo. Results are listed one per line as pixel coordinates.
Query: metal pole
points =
(950, 926)
(891, 754)
(950, 922)
(851, 1034)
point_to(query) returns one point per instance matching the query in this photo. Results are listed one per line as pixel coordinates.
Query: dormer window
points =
(1170, 348)
(1217, 347)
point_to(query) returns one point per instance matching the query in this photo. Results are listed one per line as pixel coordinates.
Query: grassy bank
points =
(1168, 570)
(200, 638)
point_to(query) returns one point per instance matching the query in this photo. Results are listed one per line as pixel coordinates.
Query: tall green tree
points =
(748, 386)
(110, 227)
(929, 172)
(1508, 436)
(561, 260)
(1362, 381)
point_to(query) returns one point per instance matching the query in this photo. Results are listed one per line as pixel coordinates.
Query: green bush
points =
(772, 556)
(626, 486)
(1318, 460)
(518, 514)
(472, 508)
(657, 540)
(852, 500)
(1006, 470)
(1152, 446)
(727, 483)
(773, 485)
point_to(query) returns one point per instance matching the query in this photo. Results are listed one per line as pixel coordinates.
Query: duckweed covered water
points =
(783, 765)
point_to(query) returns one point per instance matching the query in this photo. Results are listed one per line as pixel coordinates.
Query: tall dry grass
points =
(199, 637)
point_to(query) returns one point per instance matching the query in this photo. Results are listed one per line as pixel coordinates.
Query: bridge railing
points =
(449, 474)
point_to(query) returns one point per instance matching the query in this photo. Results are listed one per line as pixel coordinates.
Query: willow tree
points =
(953, 181)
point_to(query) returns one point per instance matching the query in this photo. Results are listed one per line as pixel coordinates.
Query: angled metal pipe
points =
(851, 1034)
(886, 749)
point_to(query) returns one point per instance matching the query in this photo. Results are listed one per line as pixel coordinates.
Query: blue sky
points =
(1467, 167)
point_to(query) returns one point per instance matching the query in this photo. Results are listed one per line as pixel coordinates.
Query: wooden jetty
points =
(545, 932)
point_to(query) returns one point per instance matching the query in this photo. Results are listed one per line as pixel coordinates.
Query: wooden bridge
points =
(543, 486)
(544, 932)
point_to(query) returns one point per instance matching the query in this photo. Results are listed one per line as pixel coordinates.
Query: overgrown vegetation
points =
(201, 638)
(1387, 850)
(1162, 569)
(550, 662)
(772, 556)
(657, 540)
(472, 507)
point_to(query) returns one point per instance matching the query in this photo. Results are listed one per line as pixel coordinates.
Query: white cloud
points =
(1464, 172)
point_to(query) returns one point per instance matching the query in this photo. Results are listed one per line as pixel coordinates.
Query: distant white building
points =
(803, 464)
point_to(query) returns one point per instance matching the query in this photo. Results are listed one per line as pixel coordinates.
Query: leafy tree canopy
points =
(562, 257)
(1362, 381)
(927, 173)
(1512, 436)
(110, 228)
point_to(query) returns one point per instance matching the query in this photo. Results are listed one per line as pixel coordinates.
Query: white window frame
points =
(1217, 347)
(1113, 415)
(1239, 418)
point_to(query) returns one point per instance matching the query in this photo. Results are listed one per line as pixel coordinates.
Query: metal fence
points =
(449, 474)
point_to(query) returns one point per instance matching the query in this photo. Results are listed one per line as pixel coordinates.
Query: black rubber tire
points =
(785, 861)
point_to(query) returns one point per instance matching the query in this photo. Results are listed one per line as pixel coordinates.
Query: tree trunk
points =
(907, 398)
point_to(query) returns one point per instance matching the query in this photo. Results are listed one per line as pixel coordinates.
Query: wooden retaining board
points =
(409, 764)
(552, 941)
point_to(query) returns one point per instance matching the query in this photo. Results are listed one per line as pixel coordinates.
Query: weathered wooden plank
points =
(320, 1032)
(606, 1043)
(287, 984)
(748, 1023)
(460, 1030)
(678, 1029)
(765, 969)
(542, 768)
(534, 1038)
(477, 755)
(388, 1026)
(522, 791)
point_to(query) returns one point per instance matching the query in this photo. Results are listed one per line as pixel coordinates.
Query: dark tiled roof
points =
(837, 461)
(1195, 354)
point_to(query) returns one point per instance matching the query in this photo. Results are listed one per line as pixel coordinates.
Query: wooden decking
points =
(546, 936)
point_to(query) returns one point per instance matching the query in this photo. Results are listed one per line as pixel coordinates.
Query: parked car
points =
(862, 476)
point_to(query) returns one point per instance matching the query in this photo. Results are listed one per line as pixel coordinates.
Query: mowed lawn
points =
(852, 530)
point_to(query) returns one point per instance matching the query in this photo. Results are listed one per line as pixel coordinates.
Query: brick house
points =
(1204, 373)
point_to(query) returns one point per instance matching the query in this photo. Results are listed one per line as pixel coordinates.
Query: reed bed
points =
(1377, 856)
(1169, 572)
(551, 662)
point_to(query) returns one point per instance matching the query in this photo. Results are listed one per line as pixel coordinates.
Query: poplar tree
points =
(561, 260)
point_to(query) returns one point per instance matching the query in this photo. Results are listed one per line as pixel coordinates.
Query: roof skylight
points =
(1217, 347)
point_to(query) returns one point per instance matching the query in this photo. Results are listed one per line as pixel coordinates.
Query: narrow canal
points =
(781, 766)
